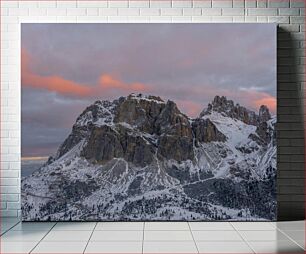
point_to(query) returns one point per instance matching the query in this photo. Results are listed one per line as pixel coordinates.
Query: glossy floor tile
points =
(79, 226)
(69, 236)
(114, 247)
(297, 236)
(6, 225)
(253, 226)
(152, 237)
(23, 236)
(60, 247)
(105, 236)
(291, 225)
(33, 226)
(220, 226)
(167, 226)
(130, 226)
(170, 247)
(17, 247)
(221, 236)
(167, 236)
(224, 247)
(276, 247)
(258, 235)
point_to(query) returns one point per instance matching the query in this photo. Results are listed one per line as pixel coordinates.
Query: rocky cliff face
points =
(229, 108)
(205, 131)
(139, 157)
(264, 114)
(165, 131)
(264, 133)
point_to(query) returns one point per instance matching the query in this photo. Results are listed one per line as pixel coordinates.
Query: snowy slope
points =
(257, 158)
(231, 178)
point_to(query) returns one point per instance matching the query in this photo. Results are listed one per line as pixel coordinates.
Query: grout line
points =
(10, 228)
(193, 237)
(290, 238)
(90, 237)
(273, 225)
(244, 240)
(232, 225)
(143, 232)
(42, 238)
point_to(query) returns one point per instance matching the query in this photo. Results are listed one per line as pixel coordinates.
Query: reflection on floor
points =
(152, 237)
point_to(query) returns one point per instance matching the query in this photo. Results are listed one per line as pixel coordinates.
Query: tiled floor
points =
(152, 237)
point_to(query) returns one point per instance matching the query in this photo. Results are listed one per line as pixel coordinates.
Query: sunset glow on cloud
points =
(189, 107)
(55, 84)
(187, 63)
(70, 88)
(269, 101)
(255, 99)
(50, 83)
(107, 82)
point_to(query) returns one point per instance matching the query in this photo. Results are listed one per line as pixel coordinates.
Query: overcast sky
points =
(66, 67)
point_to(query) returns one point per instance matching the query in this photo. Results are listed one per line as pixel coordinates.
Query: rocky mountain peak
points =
(264, 114)
(134, 96)
(228, 108)
(111, 128)
(222, 103)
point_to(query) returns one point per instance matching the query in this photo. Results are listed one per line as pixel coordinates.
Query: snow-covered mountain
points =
(141, 158)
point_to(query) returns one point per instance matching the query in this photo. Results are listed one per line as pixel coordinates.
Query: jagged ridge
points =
(165, 130)
(229, 108)
(139, 157)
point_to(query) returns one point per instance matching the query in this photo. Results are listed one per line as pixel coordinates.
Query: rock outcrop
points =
(263, 134)
(139, 112)
(110, 129)
(168, 133)
(227, 108)
(105, 143)
(205, 131)
(264, 114)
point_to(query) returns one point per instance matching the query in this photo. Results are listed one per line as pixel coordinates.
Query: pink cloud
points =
(254, 99)
(107, 82)
(109, 85)
(200, 96)
(190, 108)
(60, 85)
(50, 83)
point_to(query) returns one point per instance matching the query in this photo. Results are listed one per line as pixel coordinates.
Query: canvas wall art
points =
(148, 122)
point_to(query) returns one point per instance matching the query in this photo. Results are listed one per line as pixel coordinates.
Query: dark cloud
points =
(188, 63)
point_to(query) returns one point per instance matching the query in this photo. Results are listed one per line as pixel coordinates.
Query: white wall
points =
(290, 14)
